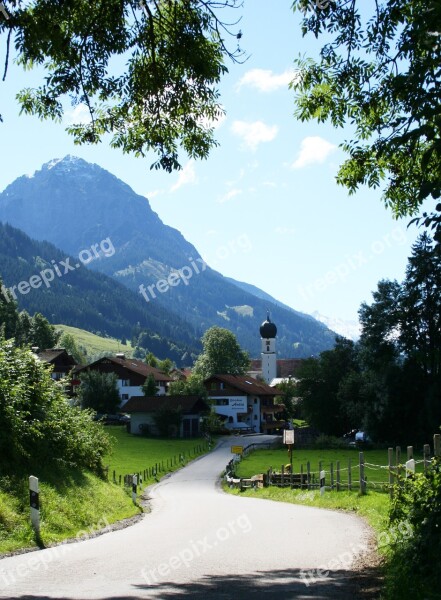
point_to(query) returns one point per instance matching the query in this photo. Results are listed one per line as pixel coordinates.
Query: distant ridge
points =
(74, 204)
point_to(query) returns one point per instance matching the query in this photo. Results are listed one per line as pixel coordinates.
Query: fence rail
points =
(161, 467)
(338, 477)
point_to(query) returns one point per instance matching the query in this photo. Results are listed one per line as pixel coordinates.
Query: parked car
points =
(117, 419)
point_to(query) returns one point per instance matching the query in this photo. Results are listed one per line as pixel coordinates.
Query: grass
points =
(70, 503)
(95, 344)
(74, 503)
(376, 472)
(374, 506)
(133, 453)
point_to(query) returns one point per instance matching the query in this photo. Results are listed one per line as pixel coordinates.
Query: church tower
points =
(268, 332)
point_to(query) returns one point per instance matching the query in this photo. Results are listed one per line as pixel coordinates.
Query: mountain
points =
(87, 299)
(77, 206)
(348, 329)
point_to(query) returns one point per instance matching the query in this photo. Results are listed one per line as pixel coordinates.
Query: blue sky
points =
(265, 207)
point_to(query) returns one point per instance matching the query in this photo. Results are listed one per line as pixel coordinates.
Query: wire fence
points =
(153, 472)
(358, 475)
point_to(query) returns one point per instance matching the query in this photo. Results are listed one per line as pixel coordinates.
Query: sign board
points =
(288, 436)
(410, 467)
(236, 449)
(239, 404)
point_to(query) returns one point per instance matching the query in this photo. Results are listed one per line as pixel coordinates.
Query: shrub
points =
(415, 564)
(38, 427)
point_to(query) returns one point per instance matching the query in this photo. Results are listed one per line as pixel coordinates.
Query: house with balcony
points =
(131, 375)
(245, 404)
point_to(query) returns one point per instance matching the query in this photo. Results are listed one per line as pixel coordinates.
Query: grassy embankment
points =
(95, 344)
(75, 503)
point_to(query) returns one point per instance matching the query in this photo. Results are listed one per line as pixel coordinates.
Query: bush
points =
(415, 564)
(329, 442)
(38, 427)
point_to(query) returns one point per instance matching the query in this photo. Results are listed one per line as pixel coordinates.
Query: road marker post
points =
(34, 501)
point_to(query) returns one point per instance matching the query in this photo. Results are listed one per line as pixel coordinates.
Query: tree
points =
(319, 385)
(221, 354)
(38, 428)
(151, 360)
(99, 392)
(68, 342)
(42, 334)
(288, 392)
(380, 72)
(165, 365)
(192, 386)
(8, 314)
(149, 387)
(146, 71)
(168, 421)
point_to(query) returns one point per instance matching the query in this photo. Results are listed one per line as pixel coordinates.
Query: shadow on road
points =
(261, 585)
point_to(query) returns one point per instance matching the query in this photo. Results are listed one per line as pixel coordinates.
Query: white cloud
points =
(80, 115)
(154, 193)
(265, 80)
(313, 150)
(284, 230)
(253, 134)
(229, 195)
(186, 175)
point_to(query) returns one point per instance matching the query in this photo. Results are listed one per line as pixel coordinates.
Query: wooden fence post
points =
(308, 476)
(437, 445)
(362, 479)
(350, 474)
(426, 455)
(398, 461)
(391, 475)
(338, 476)
(332, 476)
(409, 452)
(283, 476)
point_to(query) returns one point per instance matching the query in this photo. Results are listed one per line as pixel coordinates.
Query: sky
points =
(265, 207)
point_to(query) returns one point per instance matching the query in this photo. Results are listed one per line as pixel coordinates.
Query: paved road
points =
(198, 541)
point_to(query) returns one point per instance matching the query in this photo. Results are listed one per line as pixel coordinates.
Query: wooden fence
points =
(168, 465)
(339, 477)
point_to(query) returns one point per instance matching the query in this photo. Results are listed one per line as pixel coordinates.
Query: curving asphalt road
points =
(197, 541)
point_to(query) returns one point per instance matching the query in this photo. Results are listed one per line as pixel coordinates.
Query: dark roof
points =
(50, 355)
(150, 404)
(244, 383)
(131, 364)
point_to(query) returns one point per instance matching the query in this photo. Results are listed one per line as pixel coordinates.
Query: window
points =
(125, 382)
(255, 417)
(222, 402)
(255, 400)
(221, 386)
(124, 396)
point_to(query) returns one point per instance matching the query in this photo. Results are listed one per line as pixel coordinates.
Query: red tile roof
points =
(244, 383)
(285, 366)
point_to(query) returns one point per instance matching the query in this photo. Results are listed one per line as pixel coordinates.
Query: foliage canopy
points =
(145, 71)
(379, 70)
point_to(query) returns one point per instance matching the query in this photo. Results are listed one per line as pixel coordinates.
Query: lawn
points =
(136, 454)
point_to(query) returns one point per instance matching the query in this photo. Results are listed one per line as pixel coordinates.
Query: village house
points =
(131, 375)
(142, 411)
(244, 403)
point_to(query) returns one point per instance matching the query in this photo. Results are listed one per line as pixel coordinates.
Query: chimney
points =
(120, 355)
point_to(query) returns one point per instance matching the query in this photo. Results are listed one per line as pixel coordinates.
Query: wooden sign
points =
(288, 436)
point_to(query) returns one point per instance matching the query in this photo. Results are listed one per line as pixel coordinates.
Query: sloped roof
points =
(131, 364)
(150, 404)
(285, 366)
(51, 354)
(244, 383)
